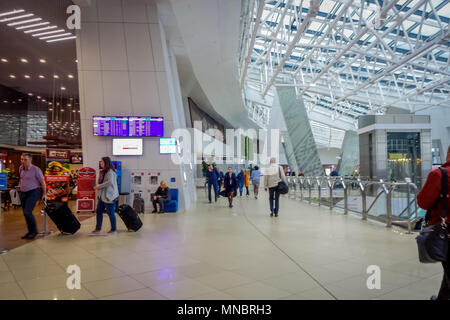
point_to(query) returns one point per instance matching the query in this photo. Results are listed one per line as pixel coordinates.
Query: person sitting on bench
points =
(161, 196)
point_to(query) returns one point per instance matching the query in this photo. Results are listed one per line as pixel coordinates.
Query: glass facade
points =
(404, 156)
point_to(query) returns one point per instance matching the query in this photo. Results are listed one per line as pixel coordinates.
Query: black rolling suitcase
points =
(129, 217)
(63, 217)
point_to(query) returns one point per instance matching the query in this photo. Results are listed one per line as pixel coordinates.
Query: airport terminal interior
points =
(234, 149)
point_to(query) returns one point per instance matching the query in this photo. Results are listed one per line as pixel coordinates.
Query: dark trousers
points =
(110, 210)
(274, 196)
(161, 202)
(216, 191)
(28, 201)
(444, 292)
(248, 193)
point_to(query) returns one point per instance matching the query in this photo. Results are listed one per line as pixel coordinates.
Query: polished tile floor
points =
(214, 252)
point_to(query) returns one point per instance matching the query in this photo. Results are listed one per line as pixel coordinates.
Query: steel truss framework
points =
(349, 58)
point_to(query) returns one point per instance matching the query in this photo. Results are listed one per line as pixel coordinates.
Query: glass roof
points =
(348, 58)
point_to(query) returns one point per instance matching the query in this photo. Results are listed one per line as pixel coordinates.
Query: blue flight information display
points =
(111, 126)
(146, 126)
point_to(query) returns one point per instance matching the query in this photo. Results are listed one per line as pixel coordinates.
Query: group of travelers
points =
(232, 182)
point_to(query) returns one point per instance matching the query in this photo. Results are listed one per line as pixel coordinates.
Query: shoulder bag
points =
(283, 188)
(432, 242)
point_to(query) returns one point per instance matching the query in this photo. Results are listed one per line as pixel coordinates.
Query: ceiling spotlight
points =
(50, 109)
(42, 60)
(4, 60)
(63, 88)
(11, 12)
(70, 76)
(5, 101)
(19, 100)
(69, 105)
(43, 100)
(38, 97)
(55, 76)
(27, 76)
(62, 110)
(76, 60)
(30, 94)
(41, 76)
(24, 60)
(12, 76)
(50, 103)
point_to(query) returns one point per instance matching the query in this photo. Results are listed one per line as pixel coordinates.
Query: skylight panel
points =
(428, 30)
(315, 26)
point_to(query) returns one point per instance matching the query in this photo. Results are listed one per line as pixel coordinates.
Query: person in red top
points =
(429, 199)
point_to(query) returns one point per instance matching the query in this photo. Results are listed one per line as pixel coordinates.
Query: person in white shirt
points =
(274, 174)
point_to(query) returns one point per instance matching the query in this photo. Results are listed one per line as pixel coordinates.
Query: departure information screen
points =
(146, 126)
(111, 126)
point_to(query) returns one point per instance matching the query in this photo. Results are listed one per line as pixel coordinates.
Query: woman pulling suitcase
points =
(107, 194)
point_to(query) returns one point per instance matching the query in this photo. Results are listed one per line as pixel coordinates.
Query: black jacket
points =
(230, 182)
(164, 194)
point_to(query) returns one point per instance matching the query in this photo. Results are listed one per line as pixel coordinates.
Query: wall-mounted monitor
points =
(111, 126)
(146, 126)
(127, 147)
(167, 145)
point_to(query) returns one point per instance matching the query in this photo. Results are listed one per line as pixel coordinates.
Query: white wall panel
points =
(109, 10)
(144, 93)
(112, 46)
(116, 92)
(139, 48)
(93, 94)
(89, 45)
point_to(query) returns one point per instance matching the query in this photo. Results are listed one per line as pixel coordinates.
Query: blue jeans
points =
(110, 210)
(216, 190)
(274, 196)
(241, 186)
(28, 201)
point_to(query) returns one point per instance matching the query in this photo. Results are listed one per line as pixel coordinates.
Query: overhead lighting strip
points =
(28, 26)
(33, 25)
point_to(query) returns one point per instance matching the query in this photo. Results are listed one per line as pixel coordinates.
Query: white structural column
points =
(124, 71)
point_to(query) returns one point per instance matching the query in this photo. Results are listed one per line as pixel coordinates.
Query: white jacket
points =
(273, 175)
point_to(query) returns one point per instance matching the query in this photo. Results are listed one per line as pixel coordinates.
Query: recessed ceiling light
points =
(30, 94)
(42, 60)
(62, 110)
(70, 76)
(5, 101)
(33, 25)
(43, 100)
(27, 76)
(17, 17)
(24, 60)
(50, 109)
(55, 76)
(4, 60)
(69, 105)
(61, 39)
(50, 103)
(12, 76)
(56, 35)
(63, 88)
(47, 32)
(73, 110)
(41, 76)
(11, 12)
(20, 100)
(40, 29)
(23, 21)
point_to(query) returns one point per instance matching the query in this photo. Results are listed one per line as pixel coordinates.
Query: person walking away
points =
(162, 195)
(107, 194)
(256, 178)
(429, 198)
(30, 178)
(300, 173)
(247, 181)
(219, 179)
(212, 176)
(230, 185)
(240, 181)
(274, 174)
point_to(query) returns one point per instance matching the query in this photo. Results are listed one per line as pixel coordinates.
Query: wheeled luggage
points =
(62, 216)
(138, 203)
(129, 217)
